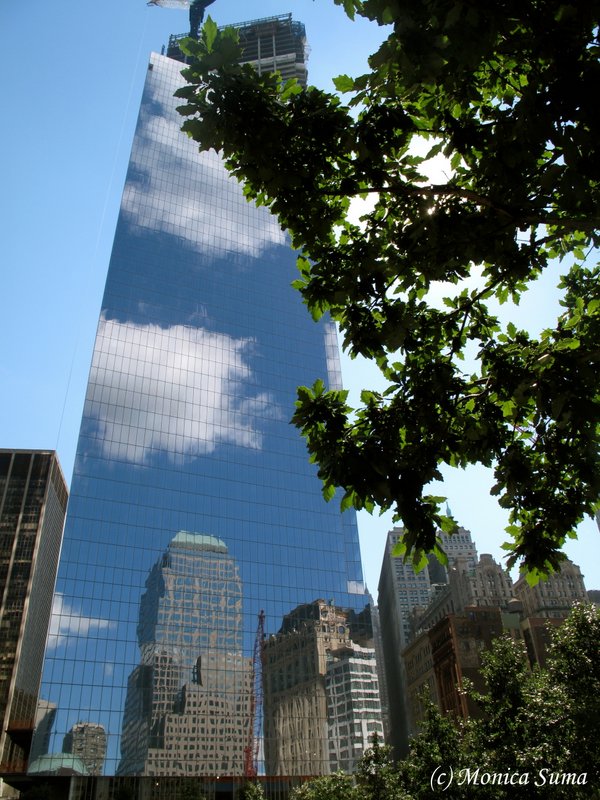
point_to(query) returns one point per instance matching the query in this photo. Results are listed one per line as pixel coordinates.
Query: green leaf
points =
(209, 33)
(343, 83)
(328, 491)
(415, 276)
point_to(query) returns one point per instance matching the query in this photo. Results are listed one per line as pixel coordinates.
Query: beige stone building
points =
(321, 693)
(485, 584)
(555, 596)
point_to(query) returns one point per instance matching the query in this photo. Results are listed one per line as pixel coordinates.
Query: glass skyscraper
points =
(193, 504)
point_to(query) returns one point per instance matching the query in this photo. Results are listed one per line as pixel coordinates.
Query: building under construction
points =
(271, 44)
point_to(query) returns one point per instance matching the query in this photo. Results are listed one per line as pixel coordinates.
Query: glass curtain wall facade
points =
(193, 505)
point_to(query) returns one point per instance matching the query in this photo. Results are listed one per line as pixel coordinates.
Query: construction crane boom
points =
(196, 7)
(169, 3)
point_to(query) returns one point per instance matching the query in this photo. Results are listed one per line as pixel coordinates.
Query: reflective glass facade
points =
(193, 505)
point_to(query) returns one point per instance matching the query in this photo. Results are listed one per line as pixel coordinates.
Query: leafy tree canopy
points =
(537, 734)
(538, 727)
(507, 93)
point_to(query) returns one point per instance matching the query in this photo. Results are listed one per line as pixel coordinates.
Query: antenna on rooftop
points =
(196, 7)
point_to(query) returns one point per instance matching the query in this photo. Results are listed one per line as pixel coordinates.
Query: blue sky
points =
(72, 76)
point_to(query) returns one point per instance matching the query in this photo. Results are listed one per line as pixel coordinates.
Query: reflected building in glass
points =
(200, 348)
(187, 710)
(87, 742)
(321, 691)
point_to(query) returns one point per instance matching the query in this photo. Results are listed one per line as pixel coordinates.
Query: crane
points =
(196, 7)
(256, 700)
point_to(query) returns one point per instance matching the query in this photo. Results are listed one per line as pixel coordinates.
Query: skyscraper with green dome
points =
(187, 710)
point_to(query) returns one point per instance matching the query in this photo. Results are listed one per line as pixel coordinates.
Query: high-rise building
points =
(546, 605)
(486, 584)
(88, 742)
(200, 348)
(270, 44)
(187, 710)
(354, 705)
(321, 692)
(33, 501)
(555, 596)
(458, 546)
(401, 590)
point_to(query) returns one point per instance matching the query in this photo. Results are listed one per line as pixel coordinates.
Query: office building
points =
(555, 596)
(459, 545)
(420, 681)
(187, 710)
(270, 44)
(401, 591)
(546, 605)
(464, 617)
(354, 705)
(594, 596)
(88, 742)
(486, 584)
(457, 642)
(381, 675)
(33, 501)
(321, 692)
(200, 348)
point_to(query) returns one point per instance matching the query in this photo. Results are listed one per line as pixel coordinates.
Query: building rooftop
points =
(200, 541)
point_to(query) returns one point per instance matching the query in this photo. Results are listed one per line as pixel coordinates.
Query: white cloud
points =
(332, 354)
(179, 390)
(355, 587)
(201, 204)
(67, 621)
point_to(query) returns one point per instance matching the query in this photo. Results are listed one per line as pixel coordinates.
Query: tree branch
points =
(447, 190)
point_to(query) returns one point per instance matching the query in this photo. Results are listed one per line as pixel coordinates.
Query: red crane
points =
(256, 703)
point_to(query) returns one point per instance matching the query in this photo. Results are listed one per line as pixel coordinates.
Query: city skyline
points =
(60, 206)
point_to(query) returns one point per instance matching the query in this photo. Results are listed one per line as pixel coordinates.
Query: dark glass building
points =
(200, 348)
(33, 501)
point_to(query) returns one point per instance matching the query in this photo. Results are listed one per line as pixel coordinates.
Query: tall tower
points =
(187, 710)
(33, 501)
(200, 348)
(400, 591)
(88, 742)
(321, 693)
